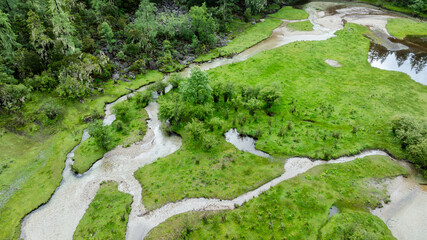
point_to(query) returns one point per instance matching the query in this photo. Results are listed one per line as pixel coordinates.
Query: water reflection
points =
(412, 61)
(243, 143)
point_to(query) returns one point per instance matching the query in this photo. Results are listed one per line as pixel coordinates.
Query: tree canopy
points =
(7, 38)
(196, 89)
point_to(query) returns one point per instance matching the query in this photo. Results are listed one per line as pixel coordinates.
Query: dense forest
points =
(68, 47)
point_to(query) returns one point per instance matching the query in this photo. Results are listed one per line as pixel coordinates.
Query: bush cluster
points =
(412, 134)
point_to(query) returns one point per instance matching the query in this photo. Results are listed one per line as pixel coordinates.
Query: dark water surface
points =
(332, 211)
(412, 61)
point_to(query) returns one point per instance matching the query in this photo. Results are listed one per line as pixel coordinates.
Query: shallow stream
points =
(59, 218)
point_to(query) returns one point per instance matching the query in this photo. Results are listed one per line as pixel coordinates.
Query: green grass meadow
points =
(30, 177)
(106, 216)
(249, 37)
(256, 33)
(222, 172)
(327, 112)
(290, 13)
(324, 113)
(401, 27)
(301, 26)
(298, 208)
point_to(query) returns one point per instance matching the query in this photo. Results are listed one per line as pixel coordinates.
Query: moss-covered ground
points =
(106, 216)
(298, 208)
(32, 160)
(301, 26)
(402, 27)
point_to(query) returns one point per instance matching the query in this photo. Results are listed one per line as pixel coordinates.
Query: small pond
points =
(412, 61)
(332, 211)
(243, 143)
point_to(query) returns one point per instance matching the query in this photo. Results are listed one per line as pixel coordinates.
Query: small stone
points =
(116, 76)
(332, 63)
(131, 75)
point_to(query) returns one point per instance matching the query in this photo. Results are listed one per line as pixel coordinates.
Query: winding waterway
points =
(59, 218)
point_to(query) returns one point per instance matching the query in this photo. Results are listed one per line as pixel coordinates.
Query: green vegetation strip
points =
(251, 36)
(400, 27)
(32, 163)
(290, 13)
(299, 208)
(301, 26)
(256, 33)
(107, 215)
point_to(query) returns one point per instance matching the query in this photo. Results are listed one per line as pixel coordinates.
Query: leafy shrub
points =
(269, 95)
(120, 55)
(174, 80)
(208, 142)
(101, 134)
(122, 112)
(409, 130)
(196, 130)
(138, 66)
(215, 123)
(131, 50)
(252, 105)
(172, 112)
(118, 125)
(142, 98)
(412, 134)
(196, 89)
(50, 109)
(159, 87)
(12, 96)
(43, 82)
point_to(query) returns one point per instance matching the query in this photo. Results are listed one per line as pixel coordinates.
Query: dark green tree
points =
(252, 105)
(39, 39)
(8, 42)
(107, 34)
(270, 95)
(62, 26)
(196, 130)
(203, 24)
(145, 27)
(196, 89)
(255, 5)
(100, 134)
